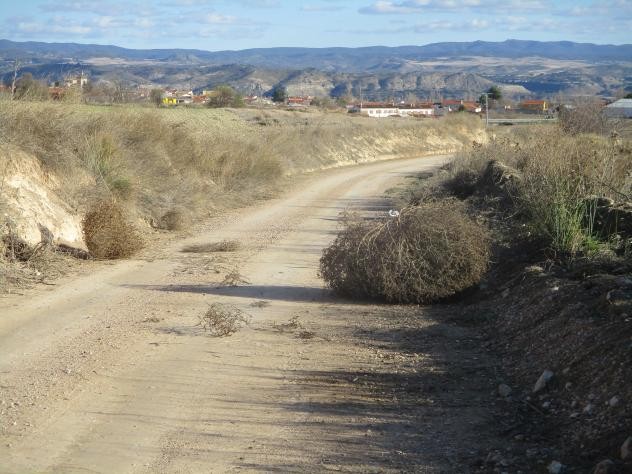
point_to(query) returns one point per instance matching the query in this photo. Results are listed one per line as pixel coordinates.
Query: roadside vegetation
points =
(166, 168)
(108, 233)
(556, 299)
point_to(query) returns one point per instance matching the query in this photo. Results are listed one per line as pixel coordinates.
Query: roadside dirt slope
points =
(111, 373)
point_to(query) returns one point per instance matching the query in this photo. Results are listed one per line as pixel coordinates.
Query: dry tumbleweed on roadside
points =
(234, 278)
(223, 319)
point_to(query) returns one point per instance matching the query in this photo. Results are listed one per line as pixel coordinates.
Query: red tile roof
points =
(377, 105)
(417, 106)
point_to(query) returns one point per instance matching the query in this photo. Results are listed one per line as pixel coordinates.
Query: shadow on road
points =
(416, 400)
(263, 292)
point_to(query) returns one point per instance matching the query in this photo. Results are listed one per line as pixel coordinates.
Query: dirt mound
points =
(30, 204)
(578, 327)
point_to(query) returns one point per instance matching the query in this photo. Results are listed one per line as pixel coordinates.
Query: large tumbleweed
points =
(428, 252)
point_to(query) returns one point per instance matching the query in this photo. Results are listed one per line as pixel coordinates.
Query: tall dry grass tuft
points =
(138, 155)
(429, 252)
(561, 175)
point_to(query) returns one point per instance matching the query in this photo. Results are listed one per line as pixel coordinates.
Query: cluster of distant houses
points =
(179, 97)
(57, 90)
(173, 97)
(434, 109)
(621, 108)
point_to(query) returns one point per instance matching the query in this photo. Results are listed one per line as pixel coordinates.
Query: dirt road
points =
(110, 372)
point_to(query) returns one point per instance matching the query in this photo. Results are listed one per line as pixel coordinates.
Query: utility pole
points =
(486, 109)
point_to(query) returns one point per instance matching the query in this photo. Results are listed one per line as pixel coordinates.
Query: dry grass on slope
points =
(316, 140)
(161, 159)
(167, 167)
(562, 179)
(134, 155)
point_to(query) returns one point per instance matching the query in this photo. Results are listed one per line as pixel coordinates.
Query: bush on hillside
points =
(174, 219)
(552, 179)
(429, 252)
(584, 117)
(108, 233)
(225, 96)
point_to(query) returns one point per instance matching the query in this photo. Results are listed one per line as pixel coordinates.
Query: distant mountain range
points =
(446, 69)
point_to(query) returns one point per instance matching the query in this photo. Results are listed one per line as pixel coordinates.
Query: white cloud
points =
(218, 19)
(85, 6)
(34, 27)
(386, 7)
(321, 8)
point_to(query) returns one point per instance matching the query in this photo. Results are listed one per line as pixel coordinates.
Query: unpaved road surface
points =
(111, 372)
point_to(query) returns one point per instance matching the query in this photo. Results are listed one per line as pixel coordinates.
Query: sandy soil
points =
(110, 372)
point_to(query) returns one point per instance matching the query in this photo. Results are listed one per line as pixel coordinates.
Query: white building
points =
(622, 108)
(379, 110)
(416, 110)
(383, 110)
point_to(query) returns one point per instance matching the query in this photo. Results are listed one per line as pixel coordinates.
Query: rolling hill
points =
(446, 69)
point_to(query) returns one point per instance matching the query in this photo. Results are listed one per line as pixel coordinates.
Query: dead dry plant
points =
(291, 325)
(108, 233)
(223, 320)
(174, 219)
(428, 252)
(234, 278)
(260, 304)
(221, 246)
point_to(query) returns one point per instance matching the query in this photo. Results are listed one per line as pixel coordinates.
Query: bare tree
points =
(118, 92)
(588, 115)
(16, 69)
(155, 97)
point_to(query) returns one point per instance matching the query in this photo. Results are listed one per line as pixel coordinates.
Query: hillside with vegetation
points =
(166, 168)
(430, 71)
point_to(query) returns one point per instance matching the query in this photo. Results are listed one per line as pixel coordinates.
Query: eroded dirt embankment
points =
(58, 159)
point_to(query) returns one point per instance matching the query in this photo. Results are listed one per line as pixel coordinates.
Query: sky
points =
(240, 24)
